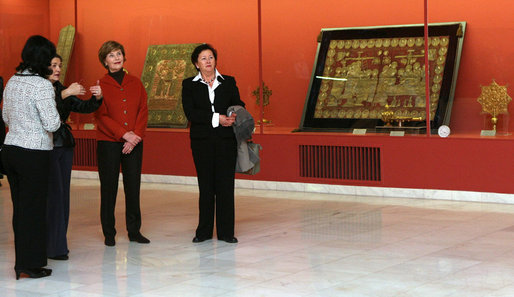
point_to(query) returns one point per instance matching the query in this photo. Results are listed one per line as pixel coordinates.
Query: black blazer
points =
(197, 106)
(63, 136)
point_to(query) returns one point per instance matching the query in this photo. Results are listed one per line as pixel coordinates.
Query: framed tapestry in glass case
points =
(165, 68)
(374, 78)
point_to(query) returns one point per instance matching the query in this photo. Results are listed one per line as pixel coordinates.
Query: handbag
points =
(63, 136)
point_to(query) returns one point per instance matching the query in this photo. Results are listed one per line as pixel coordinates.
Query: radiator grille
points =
(85, 152)
(340, 162)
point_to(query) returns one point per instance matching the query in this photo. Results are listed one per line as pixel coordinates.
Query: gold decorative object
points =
(266, 93)
(165, 68)
(375, 76)
(65, 47)
(387, 115)
(358, 71)
(494, 100)
(402, 120)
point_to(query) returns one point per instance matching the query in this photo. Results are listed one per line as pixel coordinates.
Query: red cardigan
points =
(124, 108)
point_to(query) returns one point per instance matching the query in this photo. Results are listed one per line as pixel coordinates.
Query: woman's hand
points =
(74, 89)
(132, 138)
(131, 141)
(227, 121)
(127, 148)
(96, 90)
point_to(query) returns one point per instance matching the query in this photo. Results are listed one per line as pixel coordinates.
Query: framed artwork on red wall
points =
(374, 78)
(65, 48)
(165, 68)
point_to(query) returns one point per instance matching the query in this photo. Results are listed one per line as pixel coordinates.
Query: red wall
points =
(290, 28)
(231, 26)
(19, 19)
(289, 31)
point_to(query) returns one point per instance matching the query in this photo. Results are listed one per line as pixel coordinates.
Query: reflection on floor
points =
(291, 244)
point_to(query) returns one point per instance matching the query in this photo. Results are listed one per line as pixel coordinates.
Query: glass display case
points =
(374, 78)
(287, 46)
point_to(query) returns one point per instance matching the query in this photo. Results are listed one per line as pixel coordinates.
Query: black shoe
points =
(33, 273)
(199, 239)
(109, 241)
(61, 257)
(228, 239)
(139, 238)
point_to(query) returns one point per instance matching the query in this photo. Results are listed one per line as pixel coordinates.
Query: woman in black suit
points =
(61, 159)
(206, 98)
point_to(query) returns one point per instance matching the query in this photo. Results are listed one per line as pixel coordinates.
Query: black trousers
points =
(215, 162)
(27, 173)
(110, 158)
(58, 204)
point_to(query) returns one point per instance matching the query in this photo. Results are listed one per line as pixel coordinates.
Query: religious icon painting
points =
(65, 48)
(361, 74)
(165, 68)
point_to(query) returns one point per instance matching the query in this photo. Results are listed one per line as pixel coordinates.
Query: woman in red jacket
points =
(121, 125)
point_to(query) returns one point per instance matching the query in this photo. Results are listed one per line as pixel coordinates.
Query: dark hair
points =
(108, 47)
(201, 48)
(57, 56)
(36, 56)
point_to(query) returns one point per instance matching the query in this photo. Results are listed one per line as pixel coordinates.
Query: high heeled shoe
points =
(33, 273)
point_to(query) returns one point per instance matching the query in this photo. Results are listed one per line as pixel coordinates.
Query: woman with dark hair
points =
(206, 98)
(121, 121)
(29, 111)
(61, 159)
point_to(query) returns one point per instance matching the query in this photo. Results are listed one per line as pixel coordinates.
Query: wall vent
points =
(85, 152)
(340, 162)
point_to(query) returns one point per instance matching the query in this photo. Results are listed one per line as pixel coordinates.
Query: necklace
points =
(210, 81)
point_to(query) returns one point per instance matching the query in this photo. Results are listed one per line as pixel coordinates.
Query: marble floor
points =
(290, 244)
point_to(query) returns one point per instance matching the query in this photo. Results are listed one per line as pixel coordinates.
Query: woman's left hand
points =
(75, 89)
(227, 121)
(96, 90)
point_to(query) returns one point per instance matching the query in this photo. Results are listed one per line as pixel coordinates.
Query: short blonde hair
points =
(108, 47)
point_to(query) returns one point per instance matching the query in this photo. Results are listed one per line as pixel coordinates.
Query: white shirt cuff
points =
(215, 120)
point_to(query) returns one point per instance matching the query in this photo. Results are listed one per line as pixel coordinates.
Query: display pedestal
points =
(502, 124)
